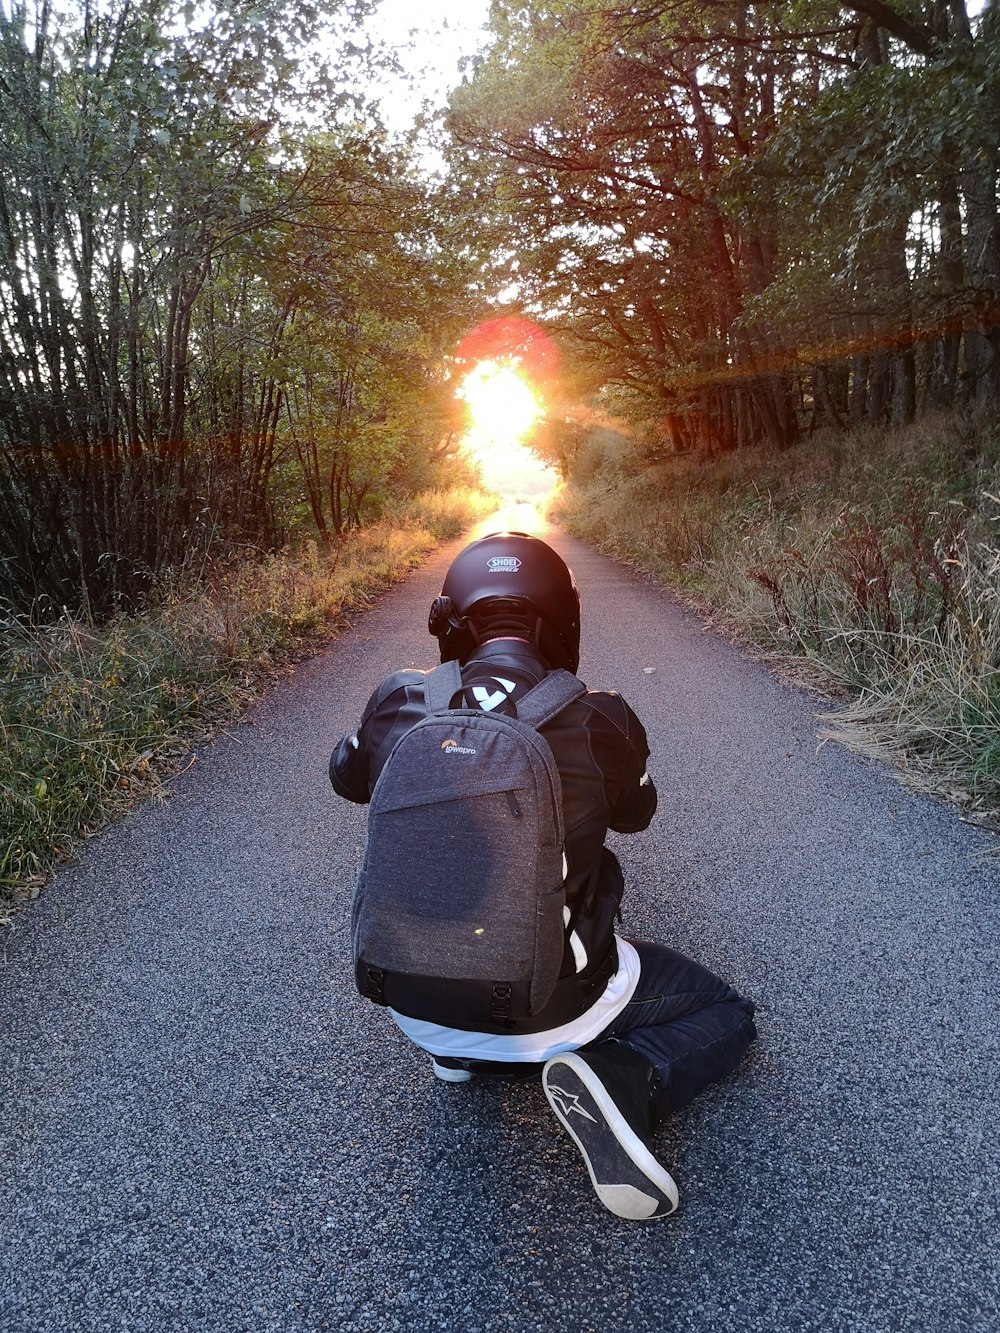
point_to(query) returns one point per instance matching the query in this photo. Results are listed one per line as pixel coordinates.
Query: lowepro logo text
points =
(453, 747)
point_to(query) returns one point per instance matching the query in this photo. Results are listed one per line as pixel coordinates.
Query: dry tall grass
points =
(94, 717)
(872, 557)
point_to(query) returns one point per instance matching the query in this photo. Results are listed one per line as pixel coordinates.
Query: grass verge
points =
(94, 718)
(871, 560)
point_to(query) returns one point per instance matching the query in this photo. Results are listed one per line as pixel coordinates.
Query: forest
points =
(230, 298)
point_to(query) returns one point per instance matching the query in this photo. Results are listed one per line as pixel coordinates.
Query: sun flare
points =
(502, 410)
(502, 405)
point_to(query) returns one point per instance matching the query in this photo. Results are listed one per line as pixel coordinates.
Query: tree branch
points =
(917, 36)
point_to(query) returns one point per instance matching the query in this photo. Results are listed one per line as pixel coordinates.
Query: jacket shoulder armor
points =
(399, 680)
(611, 705)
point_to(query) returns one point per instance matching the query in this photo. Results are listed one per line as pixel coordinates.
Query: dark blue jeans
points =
(692, 1027)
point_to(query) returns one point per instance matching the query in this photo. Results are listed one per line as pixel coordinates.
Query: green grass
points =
(871, 560)
(93, 718)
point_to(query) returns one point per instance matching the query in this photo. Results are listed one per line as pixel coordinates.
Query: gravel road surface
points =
(203, 1128)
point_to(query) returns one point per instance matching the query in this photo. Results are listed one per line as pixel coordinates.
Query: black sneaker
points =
(602, 1098)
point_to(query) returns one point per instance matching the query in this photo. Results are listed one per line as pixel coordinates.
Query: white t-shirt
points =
(534, 1046)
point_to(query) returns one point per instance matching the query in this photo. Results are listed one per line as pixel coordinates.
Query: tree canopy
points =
(224, 290)
(232, 302)
(750, 218)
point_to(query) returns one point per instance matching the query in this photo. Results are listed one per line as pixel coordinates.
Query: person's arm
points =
(349, 770)
(636, 809)
(636, 802)
(351, 765)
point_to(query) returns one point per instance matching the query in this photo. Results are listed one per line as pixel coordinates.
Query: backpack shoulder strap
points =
(550, 696)
(441, 685)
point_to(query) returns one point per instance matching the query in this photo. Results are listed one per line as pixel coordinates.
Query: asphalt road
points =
(203, 1128)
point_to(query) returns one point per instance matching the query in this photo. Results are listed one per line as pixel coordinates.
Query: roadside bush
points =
(93, 718)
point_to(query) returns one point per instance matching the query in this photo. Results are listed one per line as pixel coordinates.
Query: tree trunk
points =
(982, 337)
(942, 382)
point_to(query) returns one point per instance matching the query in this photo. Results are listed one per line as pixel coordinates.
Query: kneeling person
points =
(509, 777)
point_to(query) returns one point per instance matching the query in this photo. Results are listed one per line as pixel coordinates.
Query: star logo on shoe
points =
(568, 1102)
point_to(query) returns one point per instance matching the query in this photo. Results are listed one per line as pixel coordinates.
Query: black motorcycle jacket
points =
(600, 749)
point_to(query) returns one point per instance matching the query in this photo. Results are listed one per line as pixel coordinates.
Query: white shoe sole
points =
(447, 1075)
(626, 1177)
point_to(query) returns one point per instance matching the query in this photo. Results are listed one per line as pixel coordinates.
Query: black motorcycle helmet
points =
(509, 583)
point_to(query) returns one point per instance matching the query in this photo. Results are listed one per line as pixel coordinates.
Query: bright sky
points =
(431, 40)
(430, 37)
(503, 409)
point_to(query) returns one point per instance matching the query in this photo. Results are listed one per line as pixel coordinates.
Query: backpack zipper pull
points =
(515, 809)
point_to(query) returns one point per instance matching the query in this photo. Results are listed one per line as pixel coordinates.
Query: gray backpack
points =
(458, 910)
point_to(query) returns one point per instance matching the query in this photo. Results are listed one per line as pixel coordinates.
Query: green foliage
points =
(751, 218)
(223, 293)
